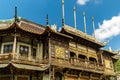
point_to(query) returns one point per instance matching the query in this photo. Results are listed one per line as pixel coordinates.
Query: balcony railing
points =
(80, 64)
(5, 56)
(18, 58)
(86, 65)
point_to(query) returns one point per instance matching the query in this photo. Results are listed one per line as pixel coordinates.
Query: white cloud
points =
(82, 2)
(108, 29)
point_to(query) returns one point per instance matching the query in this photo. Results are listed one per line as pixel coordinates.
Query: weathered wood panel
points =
(4, 78)
(22, 78)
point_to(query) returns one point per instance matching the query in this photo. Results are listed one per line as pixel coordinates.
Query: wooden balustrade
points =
(80, 64)
(18, 58)
(5, 56)
(85, 64)
(72, 62)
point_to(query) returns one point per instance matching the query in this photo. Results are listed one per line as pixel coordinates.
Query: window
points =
(34, 53)
(8, 48)
(24, 50)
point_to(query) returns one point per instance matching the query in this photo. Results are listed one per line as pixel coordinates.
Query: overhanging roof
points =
(28, 26)
(80, 34)
(22, 24)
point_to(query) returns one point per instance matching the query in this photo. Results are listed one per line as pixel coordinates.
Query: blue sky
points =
(106, 13)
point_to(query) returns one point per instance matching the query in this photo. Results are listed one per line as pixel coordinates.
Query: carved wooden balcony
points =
(17, 58)
(22, 62)
(79, 64)
(86, 65)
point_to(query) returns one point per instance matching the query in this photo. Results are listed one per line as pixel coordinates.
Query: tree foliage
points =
(117, 66)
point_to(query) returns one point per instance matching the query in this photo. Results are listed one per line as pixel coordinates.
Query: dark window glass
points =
(34, 53)
(24, 50)
(8, 48)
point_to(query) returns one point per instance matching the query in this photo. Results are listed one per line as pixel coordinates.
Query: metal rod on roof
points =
(74, 16)
(15, 13)
(47, 23)
(93, 25)
(63, 18)
(84, 17)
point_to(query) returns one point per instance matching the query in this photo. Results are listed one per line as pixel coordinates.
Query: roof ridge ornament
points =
(84, 17)
(15, 16)
(47, 22)
(93, 25)
(63, 16)
(54, 27)
(74, 8)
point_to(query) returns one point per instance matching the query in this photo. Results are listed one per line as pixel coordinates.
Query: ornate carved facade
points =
(29, 51)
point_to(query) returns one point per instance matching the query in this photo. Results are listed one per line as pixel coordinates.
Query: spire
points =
(84, 17)
(74, 16)
(15, 16)
(110, 49)
(63, 22)
(47, 23)
(93, 25)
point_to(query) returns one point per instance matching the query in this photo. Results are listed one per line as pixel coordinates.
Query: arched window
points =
(72, 55)
(92, 59)
(73, 58)
(82, 56)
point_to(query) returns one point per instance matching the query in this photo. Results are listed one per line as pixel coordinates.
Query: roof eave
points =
(99, 44)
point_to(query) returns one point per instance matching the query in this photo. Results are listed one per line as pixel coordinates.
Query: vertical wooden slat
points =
(14, 46)
(49, 53)
(38, 51)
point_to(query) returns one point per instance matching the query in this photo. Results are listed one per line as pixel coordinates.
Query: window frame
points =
(23, 44)
(3, 44)
(33, 53)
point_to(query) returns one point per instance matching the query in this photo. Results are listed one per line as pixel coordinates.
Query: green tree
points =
(117, 66)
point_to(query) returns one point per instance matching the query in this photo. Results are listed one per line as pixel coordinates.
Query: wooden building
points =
(29, 51)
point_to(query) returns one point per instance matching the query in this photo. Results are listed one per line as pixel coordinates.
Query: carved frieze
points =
(60, 52)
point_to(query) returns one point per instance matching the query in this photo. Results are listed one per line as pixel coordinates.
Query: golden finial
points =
(74, 8)
(93, 25)
(84, 17)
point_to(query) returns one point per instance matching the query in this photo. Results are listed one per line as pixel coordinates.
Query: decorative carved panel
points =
(60, 52)
(108, 63)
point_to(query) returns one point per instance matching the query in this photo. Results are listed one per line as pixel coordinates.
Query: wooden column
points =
(50, 73)
(53, 72)
(14, 46)
(49, 53)
(29, 54)
(38, 51)
(12, 73)
(79, 76)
